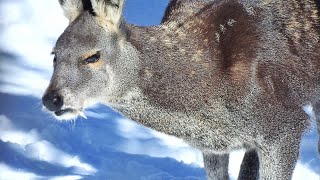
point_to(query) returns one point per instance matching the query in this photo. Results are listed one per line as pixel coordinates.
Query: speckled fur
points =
(222, 75)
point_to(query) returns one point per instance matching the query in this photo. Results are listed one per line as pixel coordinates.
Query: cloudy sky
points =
(35, 146)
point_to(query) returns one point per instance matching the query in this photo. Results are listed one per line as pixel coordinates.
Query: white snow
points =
(32, 146)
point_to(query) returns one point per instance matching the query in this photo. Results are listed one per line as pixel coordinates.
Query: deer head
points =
(93, 62)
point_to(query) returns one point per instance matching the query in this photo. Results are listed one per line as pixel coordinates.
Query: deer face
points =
(84, 57)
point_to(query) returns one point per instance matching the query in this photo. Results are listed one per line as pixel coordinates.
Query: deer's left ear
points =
(73, 8)
(108, 12)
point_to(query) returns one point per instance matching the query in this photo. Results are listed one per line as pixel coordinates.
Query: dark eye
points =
(92, 59)
(54, 60)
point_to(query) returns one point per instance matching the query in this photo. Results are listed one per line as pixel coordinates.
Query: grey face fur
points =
(79, 84)
(221, 75)
(72, 76)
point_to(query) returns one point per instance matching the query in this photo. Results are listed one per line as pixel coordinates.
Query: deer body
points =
(222, 75)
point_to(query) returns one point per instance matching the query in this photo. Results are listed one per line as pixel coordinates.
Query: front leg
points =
(216, 166)
(277, 161)
(316, 109)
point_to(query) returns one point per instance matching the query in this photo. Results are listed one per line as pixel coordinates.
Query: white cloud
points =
(32, 146)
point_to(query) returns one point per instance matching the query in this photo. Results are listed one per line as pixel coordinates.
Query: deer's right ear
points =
(72, 8)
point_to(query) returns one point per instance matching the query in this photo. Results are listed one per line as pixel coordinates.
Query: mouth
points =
(68, 114)
(64, 112)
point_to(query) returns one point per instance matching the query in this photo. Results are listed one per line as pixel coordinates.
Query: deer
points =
(220, 75)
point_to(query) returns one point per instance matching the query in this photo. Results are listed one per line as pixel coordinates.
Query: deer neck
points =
(153, 43)
(154, 46)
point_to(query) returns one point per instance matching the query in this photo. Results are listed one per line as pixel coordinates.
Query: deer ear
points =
(109, 12)
(72, 8)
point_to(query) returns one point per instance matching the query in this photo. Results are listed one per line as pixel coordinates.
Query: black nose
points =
(52, 101)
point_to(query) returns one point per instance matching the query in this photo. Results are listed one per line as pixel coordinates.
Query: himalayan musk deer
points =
(221, 75)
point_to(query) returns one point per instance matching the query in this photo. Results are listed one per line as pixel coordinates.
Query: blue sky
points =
(106, 146)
